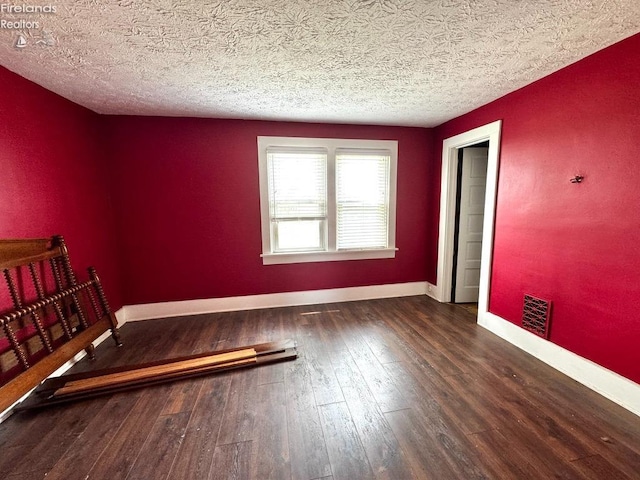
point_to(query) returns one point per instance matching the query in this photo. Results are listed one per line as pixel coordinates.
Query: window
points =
(297, 199)
(327, 199)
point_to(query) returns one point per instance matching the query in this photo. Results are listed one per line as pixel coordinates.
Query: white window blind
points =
(297, 198)
(362, 199)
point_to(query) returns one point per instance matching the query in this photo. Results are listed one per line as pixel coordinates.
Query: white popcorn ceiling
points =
(388, 62)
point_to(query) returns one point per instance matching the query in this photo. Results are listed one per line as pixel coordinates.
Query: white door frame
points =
(450, 148)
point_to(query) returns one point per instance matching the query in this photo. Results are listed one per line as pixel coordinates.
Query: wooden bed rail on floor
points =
(46, 316)
(80, 386)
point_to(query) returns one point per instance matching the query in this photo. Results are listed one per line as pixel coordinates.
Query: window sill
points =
(307, 257)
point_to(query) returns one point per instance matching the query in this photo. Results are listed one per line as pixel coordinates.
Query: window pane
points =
(299, 235)
(362, 227)
(297, 184)
(362, 190)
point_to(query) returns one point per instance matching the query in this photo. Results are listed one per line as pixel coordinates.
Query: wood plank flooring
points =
(395, 389)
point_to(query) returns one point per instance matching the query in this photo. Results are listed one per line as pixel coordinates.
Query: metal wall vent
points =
(535, 315)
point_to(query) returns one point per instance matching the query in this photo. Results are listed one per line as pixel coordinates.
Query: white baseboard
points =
(251, 302)
(616, 388)
(433, 291)
(120, 315)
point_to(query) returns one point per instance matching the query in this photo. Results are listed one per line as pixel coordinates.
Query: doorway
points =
(448, 194)
(467, 236)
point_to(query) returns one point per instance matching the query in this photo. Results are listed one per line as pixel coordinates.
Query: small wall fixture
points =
(577, 179)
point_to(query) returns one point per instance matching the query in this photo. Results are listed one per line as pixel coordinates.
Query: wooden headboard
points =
(46, 316)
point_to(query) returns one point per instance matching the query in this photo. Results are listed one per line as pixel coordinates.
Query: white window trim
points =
(331, 144)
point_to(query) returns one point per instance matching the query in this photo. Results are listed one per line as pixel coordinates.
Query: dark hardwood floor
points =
(388, 389)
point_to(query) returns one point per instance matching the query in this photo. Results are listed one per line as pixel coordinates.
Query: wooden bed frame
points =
(46, 316)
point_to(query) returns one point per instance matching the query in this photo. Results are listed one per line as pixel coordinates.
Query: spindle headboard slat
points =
(46, 316)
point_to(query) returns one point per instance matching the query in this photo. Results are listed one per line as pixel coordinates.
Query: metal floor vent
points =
(535, 315)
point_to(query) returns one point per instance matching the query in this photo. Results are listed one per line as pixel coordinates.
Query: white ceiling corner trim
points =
(386, 62)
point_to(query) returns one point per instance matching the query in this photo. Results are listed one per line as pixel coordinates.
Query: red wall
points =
(52, 177)
(189, 209)
(576, 245)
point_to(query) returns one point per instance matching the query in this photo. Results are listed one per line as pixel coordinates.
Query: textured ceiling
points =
(390, 62)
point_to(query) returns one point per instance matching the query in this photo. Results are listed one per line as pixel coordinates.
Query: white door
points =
(473, 185)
